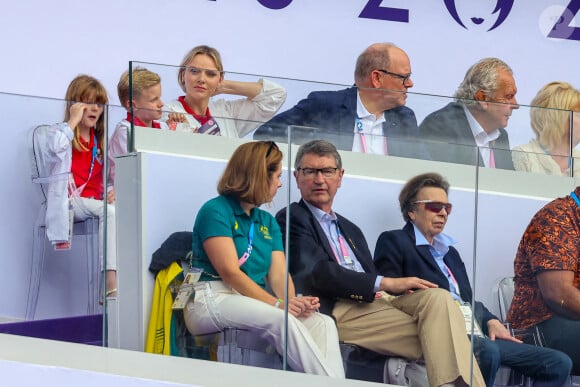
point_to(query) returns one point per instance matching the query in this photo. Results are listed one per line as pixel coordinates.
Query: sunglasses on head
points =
(272, 145)
(436, 207)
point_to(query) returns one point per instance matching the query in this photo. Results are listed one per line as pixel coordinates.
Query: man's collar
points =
(361, 110)
(482, 138)
(318, 213)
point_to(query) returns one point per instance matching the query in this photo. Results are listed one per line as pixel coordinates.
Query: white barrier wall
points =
(28, 362)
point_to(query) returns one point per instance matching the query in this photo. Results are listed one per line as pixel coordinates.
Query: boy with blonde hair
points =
(146, 103)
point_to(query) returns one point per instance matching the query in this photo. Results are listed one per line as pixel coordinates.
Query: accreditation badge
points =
(468, 317)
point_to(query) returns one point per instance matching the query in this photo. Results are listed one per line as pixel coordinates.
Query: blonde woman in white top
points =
(549, 152)
(201, 76)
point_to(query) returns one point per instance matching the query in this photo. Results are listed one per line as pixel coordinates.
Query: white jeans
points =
(85, 208)
(312, 341)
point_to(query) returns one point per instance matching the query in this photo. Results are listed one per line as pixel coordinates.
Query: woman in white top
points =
(201, 76)
(549, 152)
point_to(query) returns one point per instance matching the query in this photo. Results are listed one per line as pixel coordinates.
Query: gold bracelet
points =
(109, 292)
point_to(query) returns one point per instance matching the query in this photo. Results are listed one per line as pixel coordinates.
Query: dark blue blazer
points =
(449, 138)
(313, 265)
(396, 255)
(331, 115)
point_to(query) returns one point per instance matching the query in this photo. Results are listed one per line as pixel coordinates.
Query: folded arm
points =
(559, 292)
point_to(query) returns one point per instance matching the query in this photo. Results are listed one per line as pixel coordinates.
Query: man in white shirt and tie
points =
(471, 129)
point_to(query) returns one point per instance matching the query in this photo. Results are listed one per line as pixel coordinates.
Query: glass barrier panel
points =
(52, 281)
(160, 188)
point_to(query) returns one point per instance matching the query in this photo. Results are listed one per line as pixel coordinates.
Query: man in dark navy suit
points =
(422, 249)
(369, 117)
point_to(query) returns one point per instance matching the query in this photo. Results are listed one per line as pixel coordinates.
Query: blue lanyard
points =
(95, 153)
(573, 196)
(248, 252)
(93, 158)
(359, 125)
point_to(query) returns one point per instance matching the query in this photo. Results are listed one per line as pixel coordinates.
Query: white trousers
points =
(85, 208)
(313, 345)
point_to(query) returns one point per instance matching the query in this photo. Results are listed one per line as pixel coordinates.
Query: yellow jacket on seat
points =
(159, 338)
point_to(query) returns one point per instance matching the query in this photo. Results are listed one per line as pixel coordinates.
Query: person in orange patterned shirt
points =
(547, 269)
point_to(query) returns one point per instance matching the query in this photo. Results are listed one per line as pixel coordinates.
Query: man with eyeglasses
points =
(370, 117)
(422, 249)
(330, 258)
(471, 129)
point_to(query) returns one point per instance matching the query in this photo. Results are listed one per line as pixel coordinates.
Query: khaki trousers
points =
(424, 324)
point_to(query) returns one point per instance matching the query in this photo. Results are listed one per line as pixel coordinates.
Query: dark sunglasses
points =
(435, 207)
(272, 146)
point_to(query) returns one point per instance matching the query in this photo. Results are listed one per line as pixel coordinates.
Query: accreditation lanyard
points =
(573, 195)
(343, 250)
(453, 280)
(363, 140)
(248, 252)
(93, 158)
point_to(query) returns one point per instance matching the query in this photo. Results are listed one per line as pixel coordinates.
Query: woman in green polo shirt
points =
(239, 247)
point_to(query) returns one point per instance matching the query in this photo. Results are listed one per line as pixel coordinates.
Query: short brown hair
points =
(249, 171)
(141, 79)
(199, 50)
(320, 148)
(411, 189)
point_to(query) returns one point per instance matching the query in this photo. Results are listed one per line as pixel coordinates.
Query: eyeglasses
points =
(436, 207)
(402, 77)
(208, 72)
(310, 173)
(272, 146)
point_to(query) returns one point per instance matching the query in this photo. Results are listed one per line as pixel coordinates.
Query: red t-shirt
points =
(81, 165)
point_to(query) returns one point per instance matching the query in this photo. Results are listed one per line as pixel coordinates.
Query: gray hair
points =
(481, 76)
(374, 57)
(319, 148)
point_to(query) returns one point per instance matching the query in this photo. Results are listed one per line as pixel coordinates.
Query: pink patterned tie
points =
(491, 158)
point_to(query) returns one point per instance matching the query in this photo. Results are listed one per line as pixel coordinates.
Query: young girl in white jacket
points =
(76, 146)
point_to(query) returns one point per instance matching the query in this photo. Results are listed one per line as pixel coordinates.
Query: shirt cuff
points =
(378, 283)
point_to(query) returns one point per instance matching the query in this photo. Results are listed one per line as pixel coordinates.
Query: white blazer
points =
(53, 145)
